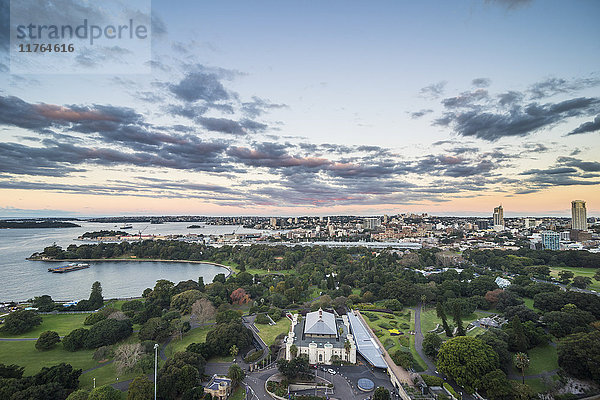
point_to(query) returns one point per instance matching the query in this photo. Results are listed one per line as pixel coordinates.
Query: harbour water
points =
(21, 279)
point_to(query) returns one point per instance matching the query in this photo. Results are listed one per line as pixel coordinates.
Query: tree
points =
(431, 344)
(347, 348)
(582, 281)
(11, 371)
(75, 340)
(565, 276)
(522, 362)
(156, 329)
(96, 300)
(239, 296)
(293, 350)
(105, 392)
(107, 332)
(20, 322)
(223, 336)
(597, 275)
(457, 316)
(496, 386)
(79, 395)
(236, 374)
(439, 308)
(466, 359)
(184, 301)
(44, 303)
(381, 393)
(517, 340)
(203, 310)
(47, 340)
(579, 354)
(141, 388)
(127, 355)
(233, 350)
(298, 366)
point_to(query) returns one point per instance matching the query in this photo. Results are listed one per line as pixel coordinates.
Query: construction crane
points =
(142, 231)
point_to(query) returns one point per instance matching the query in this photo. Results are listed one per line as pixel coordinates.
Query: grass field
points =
(429, 320)
(197, 335)
(63, 324)
(589, 272)
(26, 355)
(104, 375)
(238, 394)
(268, 333)
(529, 304)
(541, 359)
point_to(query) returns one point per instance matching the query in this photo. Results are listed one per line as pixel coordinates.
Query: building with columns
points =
(322, 336)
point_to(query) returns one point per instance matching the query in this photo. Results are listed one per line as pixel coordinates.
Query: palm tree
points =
(293, 350)
(347, 347)
(522, 362)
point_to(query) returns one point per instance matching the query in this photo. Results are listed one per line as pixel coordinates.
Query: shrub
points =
(47, 340)
(431, 380)
(102, 353)
(21, 321)
(76, 339)
(403, 359)
(451, 390)
(254, 355)
(108, 331)
(385, 325)
(94, 318)
(262, 319)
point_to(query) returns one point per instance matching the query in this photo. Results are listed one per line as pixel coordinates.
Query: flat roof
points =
(365, 343)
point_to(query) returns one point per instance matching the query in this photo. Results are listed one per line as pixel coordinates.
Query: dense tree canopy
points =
(466, 360)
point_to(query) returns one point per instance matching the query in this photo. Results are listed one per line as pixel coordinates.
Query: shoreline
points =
(228, 268)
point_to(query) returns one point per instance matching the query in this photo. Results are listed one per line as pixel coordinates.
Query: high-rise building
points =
(371, 223)
(578, 215)
(498, 216)
(550, 240)
(273, 222)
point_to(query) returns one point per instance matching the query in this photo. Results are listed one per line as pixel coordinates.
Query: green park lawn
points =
(63, 324)
(589, 272)
(268, 333)
(429, 320)
(529, 304)
(541, 359)
(104, 375)
(26, 355)
(197, 335)
(238, 394)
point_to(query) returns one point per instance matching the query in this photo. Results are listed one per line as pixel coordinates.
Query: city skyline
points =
(341, 108)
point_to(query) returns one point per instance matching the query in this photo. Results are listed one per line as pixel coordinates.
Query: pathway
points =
(419, 342)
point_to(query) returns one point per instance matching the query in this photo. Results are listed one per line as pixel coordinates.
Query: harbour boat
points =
(126, 226)
(68, 268)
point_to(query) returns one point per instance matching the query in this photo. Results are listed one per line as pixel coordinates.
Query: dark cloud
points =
(433, 91)
(510, 4)
(481, 82)
(587, 127)
(200, 86)
(465, 99)
(258, 106)
(509, 98)
(519, 120)
(587, 166)
(420, 113)
(551, 171)
(554, 86)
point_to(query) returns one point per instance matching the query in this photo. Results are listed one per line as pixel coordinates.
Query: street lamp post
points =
(155, 367)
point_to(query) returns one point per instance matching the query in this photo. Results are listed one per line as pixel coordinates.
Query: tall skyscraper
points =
(578, 215)
(498, 216)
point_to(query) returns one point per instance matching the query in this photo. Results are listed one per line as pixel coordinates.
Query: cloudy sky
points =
(312, 108)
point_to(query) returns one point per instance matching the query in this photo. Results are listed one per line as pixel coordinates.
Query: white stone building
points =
(321, 336)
